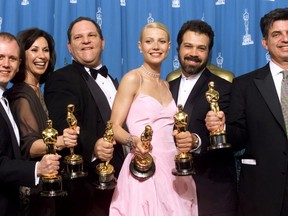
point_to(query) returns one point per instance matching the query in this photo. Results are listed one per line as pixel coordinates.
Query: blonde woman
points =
(143, 98)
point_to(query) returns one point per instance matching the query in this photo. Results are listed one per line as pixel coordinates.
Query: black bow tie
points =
(103, 71)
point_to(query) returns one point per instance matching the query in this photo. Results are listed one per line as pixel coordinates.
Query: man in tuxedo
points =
(215, 173)
(92, 92)
(14, 171)
(256, 123)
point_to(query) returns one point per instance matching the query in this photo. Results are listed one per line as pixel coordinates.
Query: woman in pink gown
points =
(143, 98)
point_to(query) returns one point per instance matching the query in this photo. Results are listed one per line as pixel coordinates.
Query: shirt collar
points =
(275, 69)
(96, 68)
(1, 91)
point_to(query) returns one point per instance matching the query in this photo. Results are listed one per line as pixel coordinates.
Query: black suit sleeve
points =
(236, 121)
(13, 171)
(68, 87)
(224, 98)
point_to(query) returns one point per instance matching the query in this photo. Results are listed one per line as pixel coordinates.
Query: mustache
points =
(192, 58)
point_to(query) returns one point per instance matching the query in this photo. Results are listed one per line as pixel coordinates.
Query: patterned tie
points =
(103, 71)
(284, 98)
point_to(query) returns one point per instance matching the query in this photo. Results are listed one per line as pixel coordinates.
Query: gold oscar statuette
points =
(183, 161)
(73, 162)
(143, 167)
(105, 171)
(52, 183)
(217, 137)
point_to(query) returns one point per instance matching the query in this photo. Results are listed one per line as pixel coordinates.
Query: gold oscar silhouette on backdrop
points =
(52, 183)
(217, 137)
(183, 161)
(143, 167)
(73, 162)
(105, 171)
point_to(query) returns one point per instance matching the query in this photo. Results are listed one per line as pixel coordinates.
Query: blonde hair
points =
(154, 25)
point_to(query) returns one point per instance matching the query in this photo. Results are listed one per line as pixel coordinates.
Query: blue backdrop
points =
(235, 22)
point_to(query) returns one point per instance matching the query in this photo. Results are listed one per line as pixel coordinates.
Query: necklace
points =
(155, 75)
(35, 86)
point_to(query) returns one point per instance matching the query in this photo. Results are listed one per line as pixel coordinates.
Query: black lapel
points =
(174, 88)
(267, 89)
(15, 146)
(115, 81)
(196, 90)
(98, 95)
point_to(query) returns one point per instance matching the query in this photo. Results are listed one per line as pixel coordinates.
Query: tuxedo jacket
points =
(13, 171)
(73, 85)
(256, 123)
(215, 176)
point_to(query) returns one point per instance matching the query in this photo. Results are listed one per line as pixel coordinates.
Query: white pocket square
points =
(248, 161)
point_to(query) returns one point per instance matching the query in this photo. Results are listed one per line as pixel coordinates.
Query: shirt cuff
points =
(37, 179)
(93, 158)
(197, 150)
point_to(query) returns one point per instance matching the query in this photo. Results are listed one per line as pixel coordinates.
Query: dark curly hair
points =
(198, 26)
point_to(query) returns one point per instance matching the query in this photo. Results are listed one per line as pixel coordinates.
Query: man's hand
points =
(185, 141)
(104, 150)
(215, 121)
(49, 164)
(70, 137)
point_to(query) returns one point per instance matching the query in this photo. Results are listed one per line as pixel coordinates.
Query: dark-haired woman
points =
(26, 101)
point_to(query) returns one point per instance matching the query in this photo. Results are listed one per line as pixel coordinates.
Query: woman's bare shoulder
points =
(131, 76)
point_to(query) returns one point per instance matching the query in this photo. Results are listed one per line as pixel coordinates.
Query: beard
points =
(191, 69)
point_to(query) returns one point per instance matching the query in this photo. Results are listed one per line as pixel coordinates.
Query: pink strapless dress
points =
(162, 194)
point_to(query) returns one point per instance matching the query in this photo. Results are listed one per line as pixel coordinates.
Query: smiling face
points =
(86, 45)
(193, 52)
(154, 45)
(277, 43)
(37, 58)
(9, 60)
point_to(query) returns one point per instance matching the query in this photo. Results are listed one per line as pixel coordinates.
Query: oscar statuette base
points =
(105, 177)
(218, 141)
(142, 169)
(74, 167)
(52, 187)
(184, 165)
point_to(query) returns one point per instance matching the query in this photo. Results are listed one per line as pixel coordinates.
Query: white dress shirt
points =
(277, 76)
(186, 86)
(106, 85)
(108, 88)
